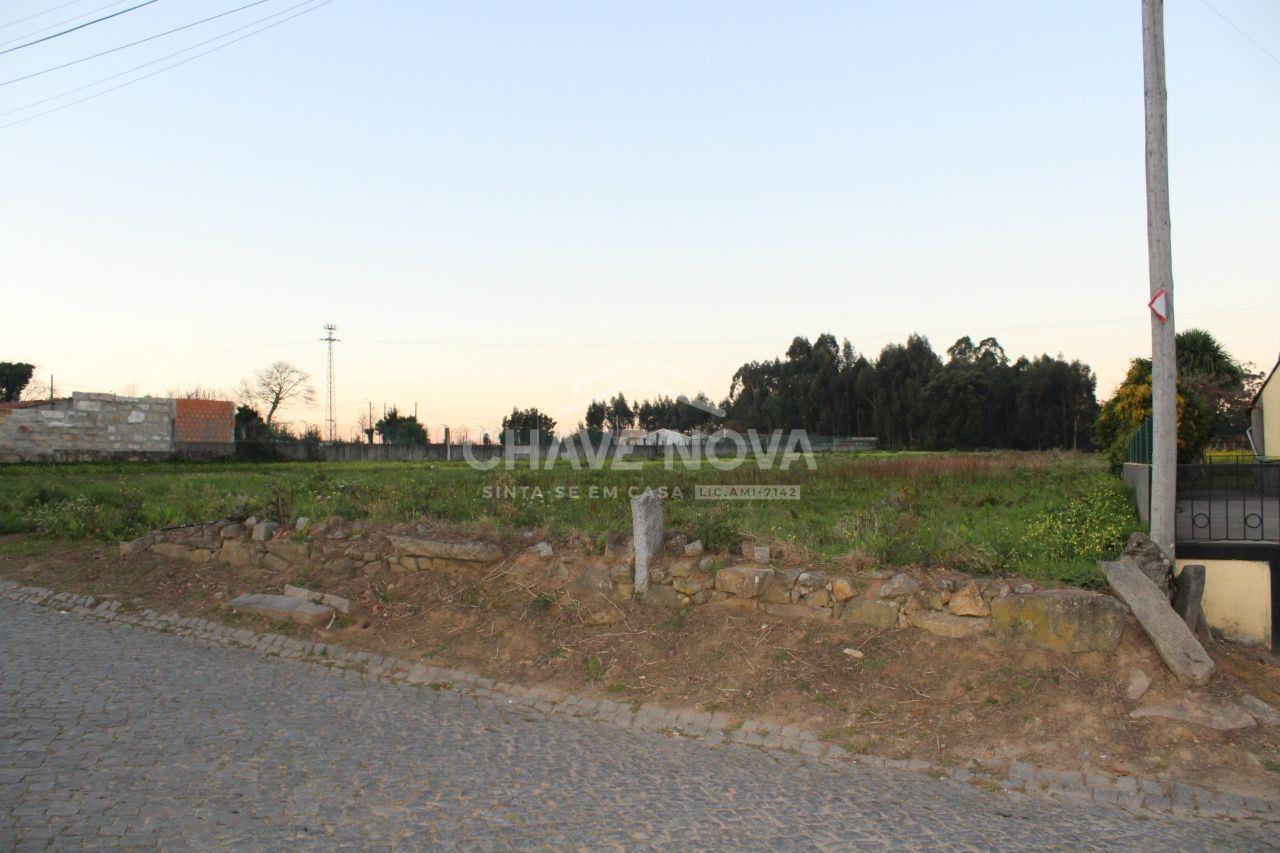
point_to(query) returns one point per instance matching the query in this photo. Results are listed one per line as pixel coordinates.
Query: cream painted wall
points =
(1237, 598)
(1270, 405)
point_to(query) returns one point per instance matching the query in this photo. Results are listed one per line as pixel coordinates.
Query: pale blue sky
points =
(560, 199)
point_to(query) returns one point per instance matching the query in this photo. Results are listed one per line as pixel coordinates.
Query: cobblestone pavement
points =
(113, 735)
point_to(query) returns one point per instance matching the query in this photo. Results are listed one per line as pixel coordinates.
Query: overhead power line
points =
(39, 15)
(54, 26)
(162, 69)
(157, 60)
(134, 43)
(79, 27)
(1238, 29)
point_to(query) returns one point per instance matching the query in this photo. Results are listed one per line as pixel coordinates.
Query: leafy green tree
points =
(1131, 405)
(396, 428)
(621, 416)
(593, 422)
(523, 422)
(14, 376)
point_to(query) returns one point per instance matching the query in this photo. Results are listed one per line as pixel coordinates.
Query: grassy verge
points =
(1048, 516)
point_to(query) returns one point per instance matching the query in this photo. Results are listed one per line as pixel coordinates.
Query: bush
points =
(1091, 526)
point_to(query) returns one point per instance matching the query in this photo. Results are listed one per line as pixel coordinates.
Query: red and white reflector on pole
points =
(1159, 305)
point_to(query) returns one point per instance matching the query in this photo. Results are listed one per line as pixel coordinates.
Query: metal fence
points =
(1227, 502)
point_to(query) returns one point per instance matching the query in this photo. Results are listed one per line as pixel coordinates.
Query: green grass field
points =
(1048, 516)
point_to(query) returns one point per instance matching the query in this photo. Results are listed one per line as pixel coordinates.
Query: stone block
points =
(1199, 710)
(264, 530)
(743, 581)
(796, 611)
(1061, 620)
(949, 625)
(283, 607)
(842, 589)
(337, 602)
(663, 596)
(1188, 594)
(1177, 646)
(646, 522)
(968, 601)
(467, 552)
(900, 585)
(877, 613)
(289, 550)
(239, 553)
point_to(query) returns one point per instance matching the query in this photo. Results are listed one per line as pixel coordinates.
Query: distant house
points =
(629, 436)
(664, 437)
(1264, 429)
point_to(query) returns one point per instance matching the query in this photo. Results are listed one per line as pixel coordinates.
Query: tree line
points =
(908, 397)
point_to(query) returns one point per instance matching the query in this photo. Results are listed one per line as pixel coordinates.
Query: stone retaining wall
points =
(946, 604)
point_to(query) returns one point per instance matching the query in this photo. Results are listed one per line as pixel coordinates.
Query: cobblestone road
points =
(113, 735)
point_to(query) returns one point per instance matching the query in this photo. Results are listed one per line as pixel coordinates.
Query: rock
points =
(996, 589)
(284, 607)
(693, 549)
(853, 653)
(1061, 620)
(1260, 710)
(676, 543)
(646, 523)
(301, 524)
(842, 589)
(1139, 681)
(1024, 589)
(1199, 710)
(900, 585)
(807, 582)
(796, 611)
(337, 602)
(467, 552)
(817, 598)
(779, 589)
(949, 625)
(133, 547)
(264, 530)
(250, 522)
(289, 550)
(689, 585)
(178, 551)
(869, 611)
(1151, 561)
(968, 601)
(232, 531)
(239, 553)
(1178, 647)
(743, 581)
(663, 596)
(1188, 594)
(340, 567)
(543, 550)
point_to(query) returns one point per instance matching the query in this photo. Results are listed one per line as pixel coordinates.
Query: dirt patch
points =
(910, 694)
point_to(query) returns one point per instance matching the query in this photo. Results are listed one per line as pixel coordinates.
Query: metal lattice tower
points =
(330, 419)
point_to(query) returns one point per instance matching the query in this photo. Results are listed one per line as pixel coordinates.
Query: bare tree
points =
(278, 385)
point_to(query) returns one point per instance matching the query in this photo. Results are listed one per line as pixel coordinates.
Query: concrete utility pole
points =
(1164, 366)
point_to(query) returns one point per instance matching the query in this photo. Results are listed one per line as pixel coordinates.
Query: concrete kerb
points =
(1134, 794)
